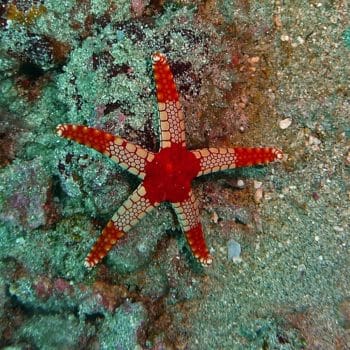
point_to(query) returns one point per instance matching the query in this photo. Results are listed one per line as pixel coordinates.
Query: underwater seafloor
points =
(249, 73)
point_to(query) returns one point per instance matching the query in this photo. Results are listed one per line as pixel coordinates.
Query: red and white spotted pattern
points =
(127, 216)
(187, 212)
(172, 130)
(218, 159)
(129, 156)
(167, 174)
(172, 126)
(215, 159)
(188, 215)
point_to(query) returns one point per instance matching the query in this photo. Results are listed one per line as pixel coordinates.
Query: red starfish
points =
(166, 175)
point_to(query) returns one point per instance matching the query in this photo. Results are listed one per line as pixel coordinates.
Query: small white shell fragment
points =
(241, 184)
(257, 184)
(300, 40)
(314, 140)
(347, 159)
(214, 217)
(234, 251)
(254, 60)
(258, 195)
(285, 123)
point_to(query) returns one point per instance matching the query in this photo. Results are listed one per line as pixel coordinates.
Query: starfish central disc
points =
(170, 173)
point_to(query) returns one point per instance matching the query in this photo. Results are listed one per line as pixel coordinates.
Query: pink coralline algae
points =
(100, 109)
(62, 286)
(137, 7)
(25, 187)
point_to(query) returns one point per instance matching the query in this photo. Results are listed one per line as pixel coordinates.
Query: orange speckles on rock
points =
(14, 14)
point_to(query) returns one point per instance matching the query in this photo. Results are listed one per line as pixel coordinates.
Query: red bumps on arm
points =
(196, 241)
(166, 89)
(128, 155)
(84, 135)
(188, 214)
(256, 155)
(172, 126)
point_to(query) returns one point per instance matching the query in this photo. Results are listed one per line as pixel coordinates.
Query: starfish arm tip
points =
(278, 154)
(207, 261)
(157, 56)
(59, 129)
(89, 263)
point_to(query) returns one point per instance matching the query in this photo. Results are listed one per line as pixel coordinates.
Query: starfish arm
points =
(217, 159)
(188, 215)
(129, 156)
(130, 212)
(172, 127)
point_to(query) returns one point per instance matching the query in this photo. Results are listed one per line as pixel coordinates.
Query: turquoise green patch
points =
(346, 37)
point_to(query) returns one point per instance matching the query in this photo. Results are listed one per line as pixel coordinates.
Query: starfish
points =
(166, 175)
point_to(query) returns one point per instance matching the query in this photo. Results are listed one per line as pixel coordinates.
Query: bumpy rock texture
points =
(241, 67)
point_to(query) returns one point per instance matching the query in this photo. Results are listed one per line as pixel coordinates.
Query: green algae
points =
(346, 37)
(120, 330)
(53, 332)
(18, 205)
